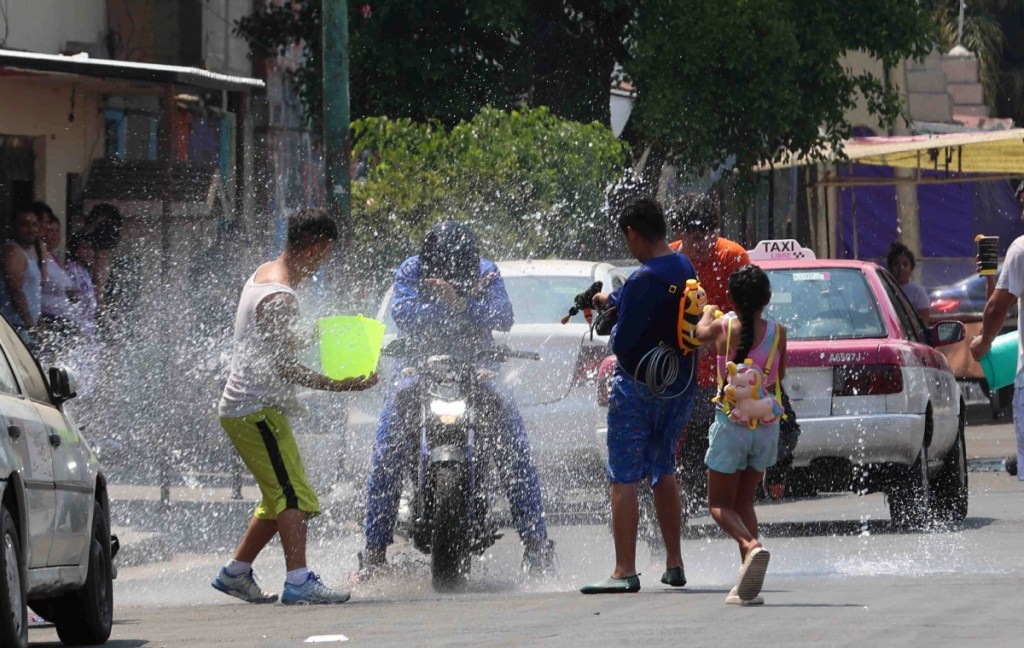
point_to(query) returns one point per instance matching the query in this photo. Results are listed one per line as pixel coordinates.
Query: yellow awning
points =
(975, 152)
(989, 152)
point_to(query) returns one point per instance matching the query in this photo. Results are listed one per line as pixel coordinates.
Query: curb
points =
(141, 547)
(986, 464)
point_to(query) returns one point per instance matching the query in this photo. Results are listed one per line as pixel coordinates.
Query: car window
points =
(545, 299)
(8, 383)
(913, 327)
(26, 366)
(824, 304)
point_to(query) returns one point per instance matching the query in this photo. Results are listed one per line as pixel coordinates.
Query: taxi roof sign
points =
(780, 250)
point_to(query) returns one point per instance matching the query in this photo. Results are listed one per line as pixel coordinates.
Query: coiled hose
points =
(662, 370)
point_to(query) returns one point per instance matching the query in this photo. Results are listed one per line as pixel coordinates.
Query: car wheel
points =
(801, 482)
(908, 493)
(949, 488)
(85, 616)
(13, 610)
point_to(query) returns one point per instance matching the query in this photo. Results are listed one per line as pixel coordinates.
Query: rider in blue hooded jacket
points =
(449, 296)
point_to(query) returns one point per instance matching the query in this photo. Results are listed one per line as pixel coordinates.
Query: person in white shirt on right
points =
(1009, 287)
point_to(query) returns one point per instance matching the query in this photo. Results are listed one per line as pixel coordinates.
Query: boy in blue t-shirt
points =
(644, 424)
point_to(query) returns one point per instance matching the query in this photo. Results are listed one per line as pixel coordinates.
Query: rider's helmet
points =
(450, 251)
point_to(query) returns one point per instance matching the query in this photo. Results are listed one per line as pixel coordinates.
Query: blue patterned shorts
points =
(643, 431)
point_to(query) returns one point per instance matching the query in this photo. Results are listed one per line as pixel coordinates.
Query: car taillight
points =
(587, 364)
(945, 305)
(867, 380)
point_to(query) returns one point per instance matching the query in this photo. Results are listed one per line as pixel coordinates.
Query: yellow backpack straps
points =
(768, 363)
(718, 367)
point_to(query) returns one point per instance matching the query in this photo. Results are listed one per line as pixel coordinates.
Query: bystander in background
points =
(901, 264)
(21, 288)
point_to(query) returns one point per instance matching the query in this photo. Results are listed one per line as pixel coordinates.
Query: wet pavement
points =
(203, 512)
(840, 575)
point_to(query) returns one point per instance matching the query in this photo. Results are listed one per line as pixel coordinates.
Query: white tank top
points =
(253, 383)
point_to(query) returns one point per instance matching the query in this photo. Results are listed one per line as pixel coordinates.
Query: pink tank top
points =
(759, 354)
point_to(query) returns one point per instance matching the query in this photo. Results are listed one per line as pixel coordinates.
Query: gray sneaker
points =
(539, 561)
(243, 586)
(312, 592)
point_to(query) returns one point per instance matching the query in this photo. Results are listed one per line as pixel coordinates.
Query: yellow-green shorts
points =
(267, 446)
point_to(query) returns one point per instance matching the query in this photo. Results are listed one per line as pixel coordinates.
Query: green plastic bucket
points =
(1000, 363)
(349, 345)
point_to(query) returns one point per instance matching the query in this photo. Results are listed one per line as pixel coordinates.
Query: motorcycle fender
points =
(447, 454)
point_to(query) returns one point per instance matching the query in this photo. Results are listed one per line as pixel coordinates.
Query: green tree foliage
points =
(718, 80)
(747, 80)
(530, 184)
(277, 30)
(445, 59)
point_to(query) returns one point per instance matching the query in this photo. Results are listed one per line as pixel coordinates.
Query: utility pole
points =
(337, 146)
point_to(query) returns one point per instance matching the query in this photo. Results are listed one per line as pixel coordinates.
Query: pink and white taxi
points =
(878, 406)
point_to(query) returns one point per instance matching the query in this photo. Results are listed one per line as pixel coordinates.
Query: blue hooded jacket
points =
(430, 321)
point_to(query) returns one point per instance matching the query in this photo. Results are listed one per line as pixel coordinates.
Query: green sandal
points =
(627, 585)
(675, 577)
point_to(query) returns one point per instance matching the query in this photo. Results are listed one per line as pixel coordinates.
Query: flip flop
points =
(734, 599)
(751, 576)
(627, 585)
(675, 577)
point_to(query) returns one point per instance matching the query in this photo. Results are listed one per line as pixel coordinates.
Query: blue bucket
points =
(1000, 363)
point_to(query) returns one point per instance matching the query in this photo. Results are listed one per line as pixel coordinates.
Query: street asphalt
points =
(211, 513)
(840, 575)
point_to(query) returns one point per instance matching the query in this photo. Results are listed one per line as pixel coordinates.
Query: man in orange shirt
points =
(694, 220)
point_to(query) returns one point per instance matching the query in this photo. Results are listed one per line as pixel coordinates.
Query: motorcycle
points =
(454, 476)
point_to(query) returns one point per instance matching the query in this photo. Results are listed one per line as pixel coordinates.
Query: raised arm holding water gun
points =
(643, 426)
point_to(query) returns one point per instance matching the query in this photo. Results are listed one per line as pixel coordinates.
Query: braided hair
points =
(750, 291)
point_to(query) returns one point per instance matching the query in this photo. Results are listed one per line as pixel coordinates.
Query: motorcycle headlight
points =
(448, 412)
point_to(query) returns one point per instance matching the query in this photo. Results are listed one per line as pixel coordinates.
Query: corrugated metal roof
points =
(83, 65)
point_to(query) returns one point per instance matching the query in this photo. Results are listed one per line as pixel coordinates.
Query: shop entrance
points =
(17, 178)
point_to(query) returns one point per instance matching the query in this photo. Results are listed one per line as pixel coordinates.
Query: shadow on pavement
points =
(113, 643)
(837, 528)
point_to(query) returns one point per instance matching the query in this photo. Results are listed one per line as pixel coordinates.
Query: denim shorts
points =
(643, 431)
(733, 447)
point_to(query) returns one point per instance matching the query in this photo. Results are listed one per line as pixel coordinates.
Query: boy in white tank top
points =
(259, 394)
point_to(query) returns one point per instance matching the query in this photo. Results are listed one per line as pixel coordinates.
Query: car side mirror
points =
(944, 333)
(63, 384)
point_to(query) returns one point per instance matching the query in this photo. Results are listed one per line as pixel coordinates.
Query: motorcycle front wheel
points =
(449, 559)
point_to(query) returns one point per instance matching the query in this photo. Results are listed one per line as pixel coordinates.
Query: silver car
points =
(55, 543)
(556, 396)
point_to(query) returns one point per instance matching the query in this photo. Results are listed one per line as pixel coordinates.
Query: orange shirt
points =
(713, 270)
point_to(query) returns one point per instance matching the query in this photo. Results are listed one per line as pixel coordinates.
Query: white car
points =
(55, 543)
(556, 396)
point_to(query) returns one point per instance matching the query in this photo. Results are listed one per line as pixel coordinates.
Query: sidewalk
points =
(989, 442)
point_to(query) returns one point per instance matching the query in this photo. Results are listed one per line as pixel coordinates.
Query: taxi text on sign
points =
(780, 250)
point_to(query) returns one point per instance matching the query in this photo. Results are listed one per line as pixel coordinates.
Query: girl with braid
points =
(738, 454)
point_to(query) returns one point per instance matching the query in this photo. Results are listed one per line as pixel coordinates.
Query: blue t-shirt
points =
(648, 314)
